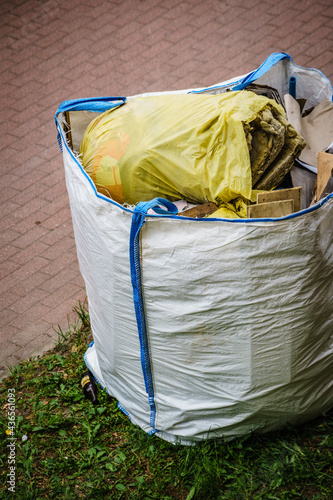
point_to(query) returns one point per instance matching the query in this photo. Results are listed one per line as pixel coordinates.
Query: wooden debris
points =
(324, 175)
(200, 210)
(279, 208)
(294, 193)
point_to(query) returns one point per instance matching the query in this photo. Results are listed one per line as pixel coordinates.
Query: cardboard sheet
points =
(316, 127)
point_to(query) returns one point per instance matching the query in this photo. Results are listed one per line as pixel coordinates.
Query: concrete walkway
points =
(56, 50)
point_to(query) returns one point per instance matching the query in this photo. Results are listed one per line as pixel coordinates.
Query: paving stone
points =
(27, 302)
(24, 287)
(35, 347)
(8, 252)
(26, 335)
(8, 349)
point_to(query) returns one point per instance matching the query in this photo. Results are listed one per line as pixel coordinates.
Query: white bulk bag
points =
(206, 327)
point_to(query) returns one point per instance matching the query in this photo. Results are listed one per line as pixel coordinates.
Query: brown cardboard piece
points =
(271, 209)
(200, 210)
(294, 193)
(324, 175)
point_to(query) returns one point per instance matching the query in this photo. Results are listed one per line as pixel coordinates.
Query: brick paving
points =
(55, 50)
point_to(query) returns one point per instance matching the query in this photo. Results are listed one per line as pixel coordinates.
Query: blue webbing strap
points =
(95, 104)
(265, 66)
(59, 139)
(163, 207)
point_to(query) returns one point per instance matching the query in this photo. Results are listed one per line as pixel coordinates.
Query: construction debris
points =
(200, 148)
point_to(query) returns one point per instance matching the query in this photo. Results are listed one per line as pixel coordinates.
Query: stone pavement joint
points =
(57, 50)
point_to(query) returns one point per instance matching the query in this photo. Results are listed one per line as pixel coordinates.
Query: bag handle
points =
(265, 66)
(161, 207)
(98, 104)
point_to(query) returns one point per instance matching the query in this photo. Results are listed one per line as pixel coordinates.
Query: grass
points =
(71, 449)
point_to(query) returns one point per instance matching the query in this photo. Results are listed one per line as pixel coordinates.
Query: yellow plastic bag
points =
(182, 146)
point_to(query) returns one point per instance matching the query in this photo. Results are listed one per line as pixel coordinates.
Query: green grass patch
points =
(68, 449)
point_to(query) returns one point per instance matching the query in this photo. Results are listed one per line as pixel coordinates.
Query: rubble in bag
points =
(274, 146)
(315, 124)
(278, 203)
(266, 91)
(200, 211)
(200, 148)
(324, 182)
(265, 138)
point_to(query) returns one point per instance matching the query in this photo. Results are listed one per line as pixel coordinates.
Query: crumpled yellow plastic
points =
(233, 210)
(175, 146)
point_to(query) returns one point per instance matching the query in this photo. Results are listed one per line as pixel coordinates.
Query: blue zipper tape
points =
(265, 66)
(162, 207)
